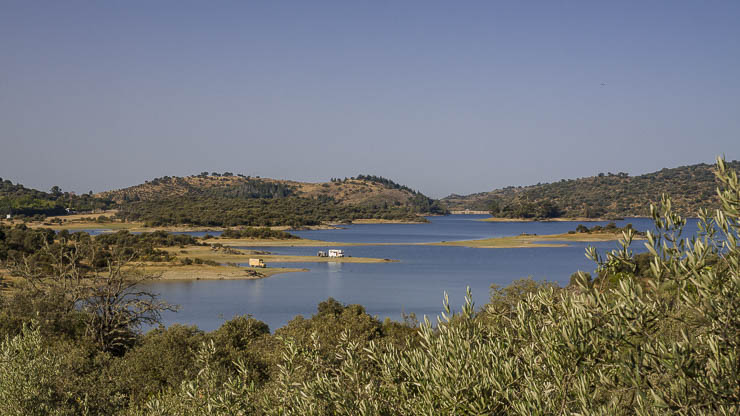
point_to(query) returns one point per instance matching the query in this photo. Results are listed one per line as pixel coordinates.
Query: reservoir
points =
(416, 283)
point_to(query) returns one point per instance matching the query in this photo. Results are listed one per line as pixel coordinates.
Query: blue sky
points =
(442, 96)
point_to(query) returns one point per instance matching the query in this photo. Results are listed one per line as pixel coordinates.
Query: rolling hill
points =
(233, 200)
(604, 195)
(347, 191)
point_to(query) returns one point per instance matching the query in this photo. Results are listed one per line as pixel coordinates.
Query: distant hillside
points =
(19, 200)
(605, 195)
(228, 200)
(169, 187)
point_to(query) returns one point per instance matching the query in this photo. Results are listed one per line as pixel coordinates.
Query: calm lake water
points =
(415, 284)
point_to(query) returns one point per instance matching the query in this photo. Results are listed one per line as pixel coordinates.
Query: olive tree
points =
(106, 285)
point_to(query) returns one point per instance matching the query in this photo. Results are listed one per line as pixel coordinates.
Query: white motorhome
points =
(336, 253)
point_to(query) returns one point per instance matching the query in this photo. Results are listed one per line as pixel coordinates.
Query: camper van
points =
(256, 263)
(336, 253)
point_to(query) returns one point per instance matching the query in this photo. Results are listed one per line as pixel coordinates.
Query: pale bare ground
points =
(173, 272)
(243, 256)
(269, 242)
(382, 221)
(303, 242)
(79, 217)
(522, 241)
(79, 224)
(573, 219)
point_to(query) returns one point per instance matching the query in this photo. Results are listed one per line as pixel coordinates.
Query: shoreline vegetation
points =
(108, 223)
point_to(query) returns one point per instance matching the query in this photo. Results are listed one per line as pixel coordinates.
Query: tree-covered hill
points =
(603, 195)
(229, 200)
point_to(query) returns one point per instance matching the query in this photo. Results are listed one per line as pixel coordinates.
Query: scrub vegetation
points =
(654, 334)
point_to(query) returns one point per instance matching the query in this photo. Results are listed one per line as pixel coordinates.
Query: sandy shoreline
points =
(381, 221)
(243, 256)
(169, 272)
(524, 241)
(574, 219)
(76, 225)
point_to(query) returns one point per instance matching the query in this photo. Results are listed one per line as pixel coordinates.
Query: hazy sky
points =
(448, 96)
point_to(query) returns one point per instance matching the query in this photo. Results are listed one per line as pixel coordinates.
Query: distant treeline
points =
(21, 201)
(124, 238)
(525, 209)
(608, 228)
(232, 212)
(20, 241)
(261, 232)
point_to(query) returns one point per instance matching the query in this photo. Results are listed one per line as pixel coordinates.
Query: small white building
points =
(336, 253)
